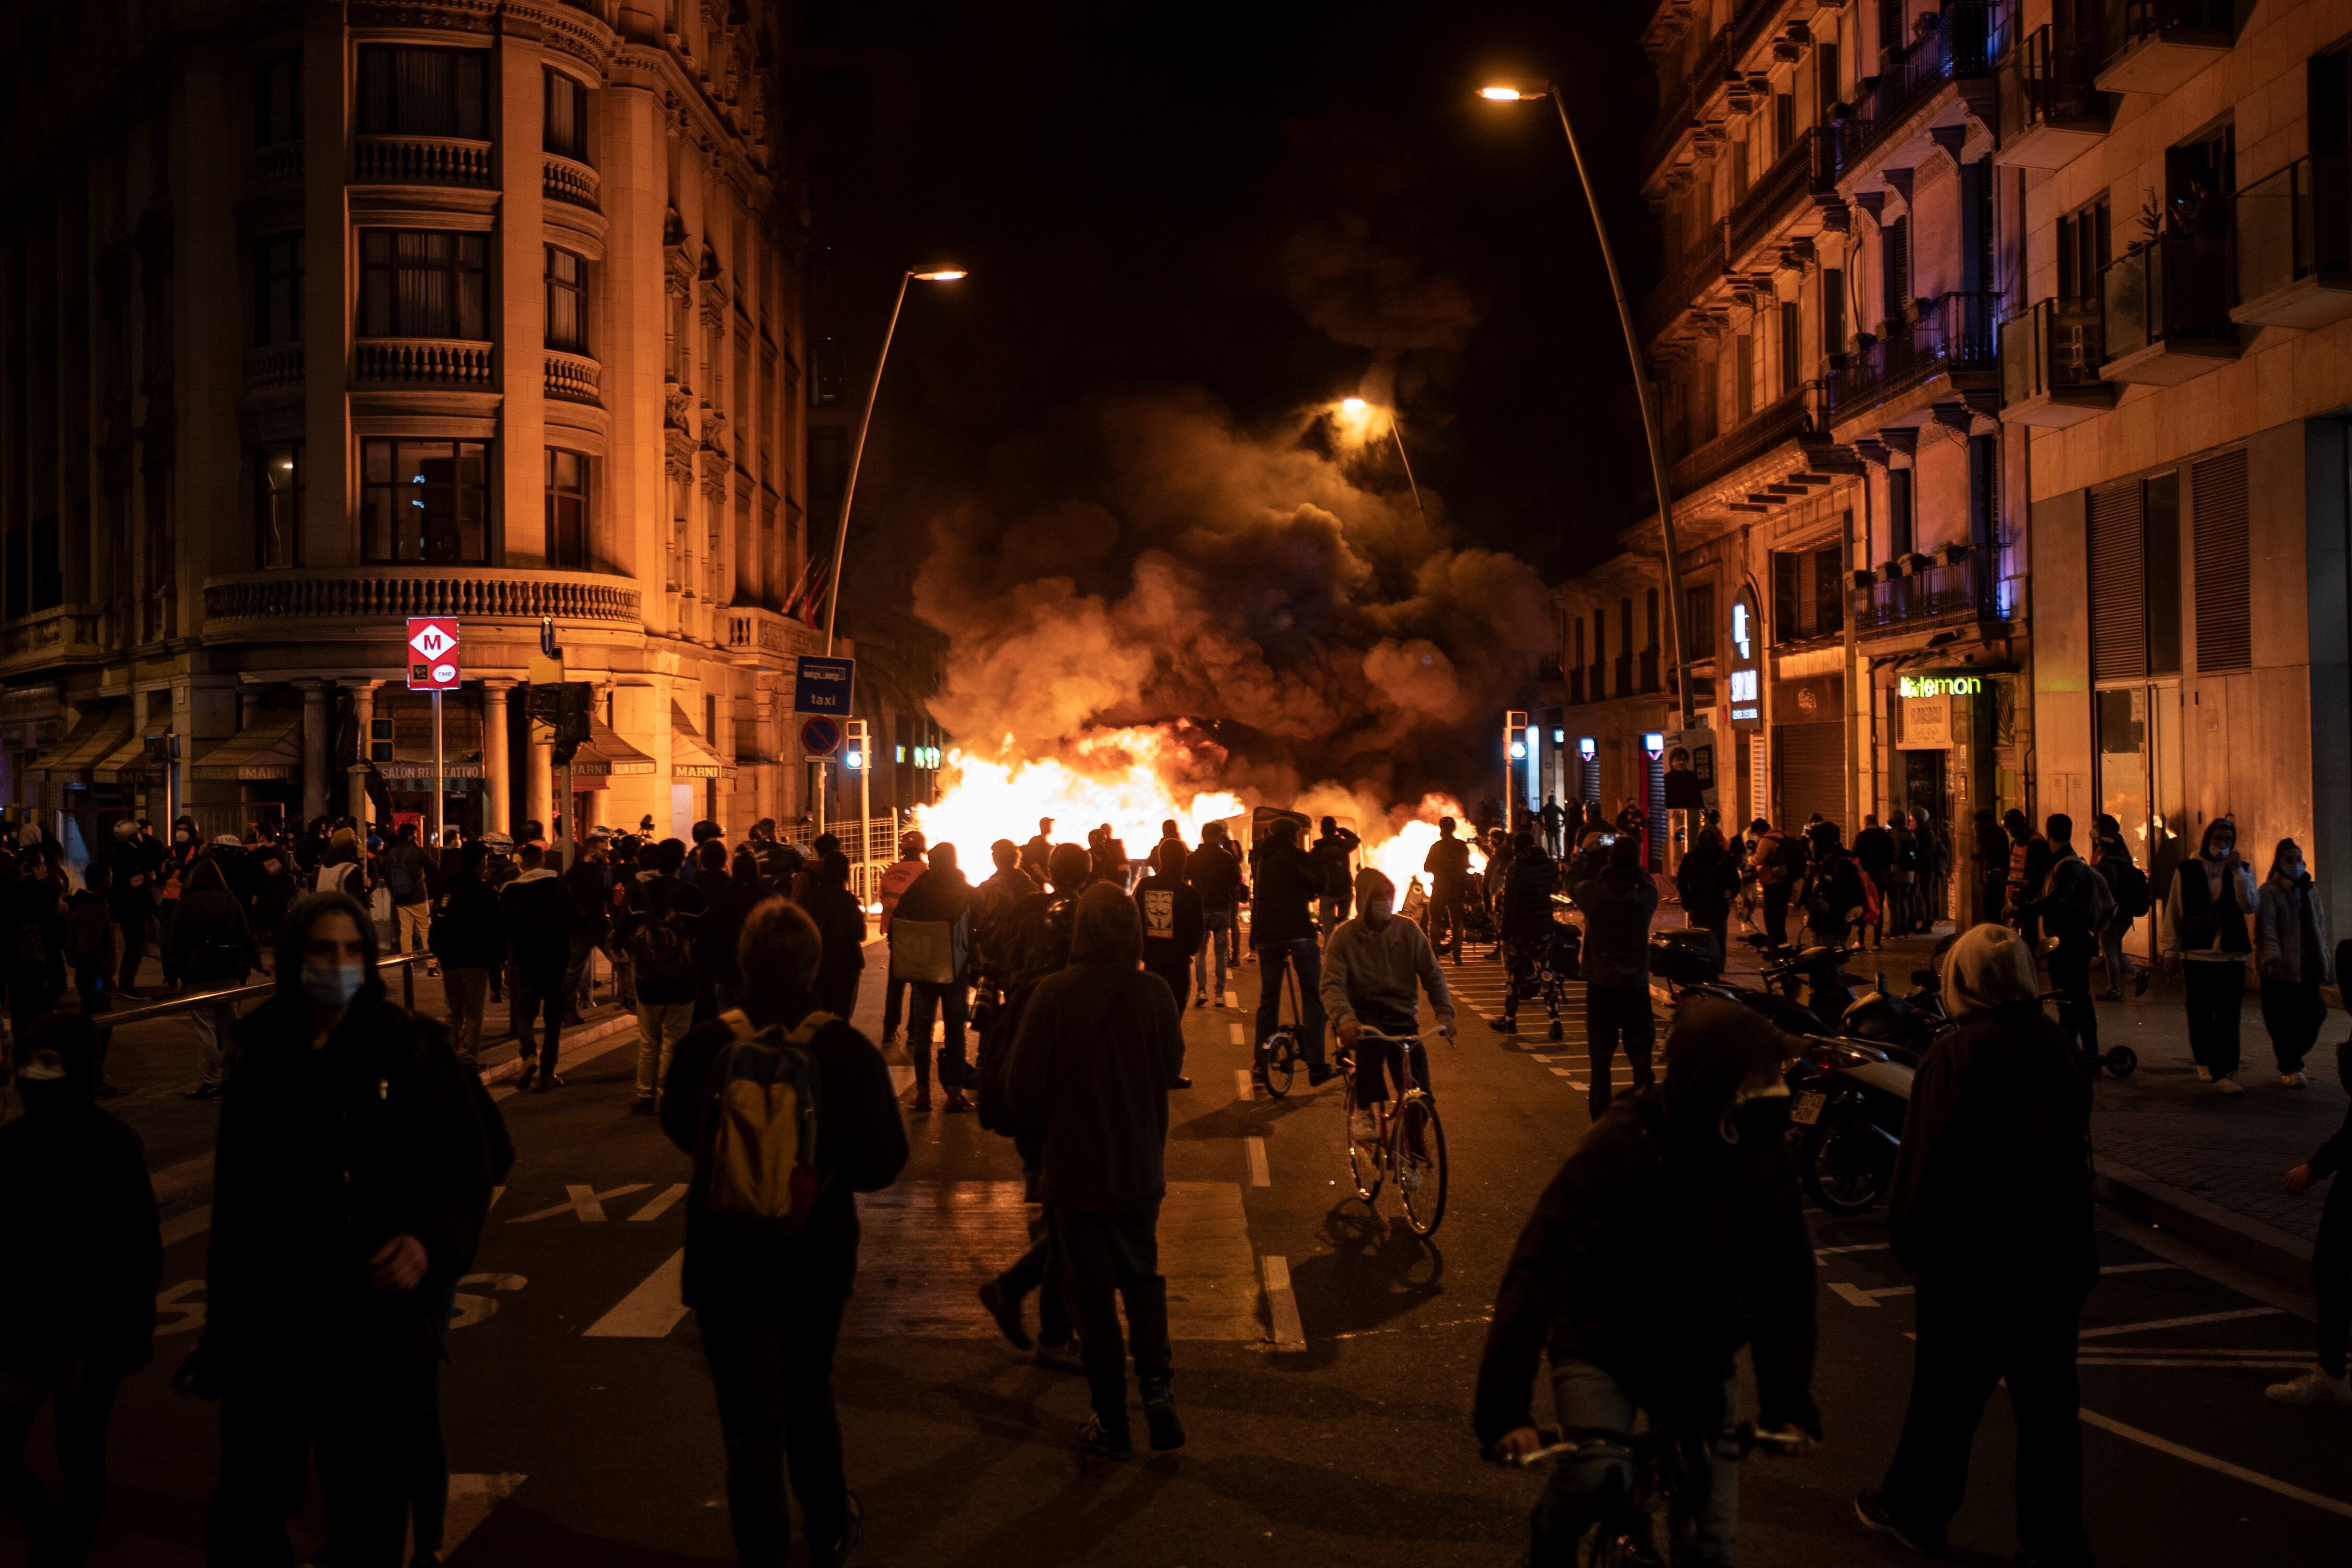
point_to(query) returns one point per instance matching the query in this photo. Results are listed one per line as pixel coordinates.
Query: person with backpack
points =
(469, 936)
(1216, 873)
(1775, 875)
(2128, 885)
(408, 878)
(588, 882)
(1173, 929)
(538, 923)
(1836, 895)
(2075, 905)
(211, 949)
(769, 1270)
(889, 888)
(659, 920)
(2291, 946)
(2210, 912)
(930, 950)
(1098, 1046)
(719, 985)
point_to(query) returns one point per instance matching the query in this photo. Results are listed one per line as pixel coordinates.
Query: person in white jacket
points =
(2208, 915)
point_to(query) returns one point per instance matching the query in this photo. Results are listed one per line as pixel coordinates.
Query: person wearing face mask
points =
(1373, 968)
(1991, 1207)
(1673, 1236)
(2209, 912)
(78, 1299)
(2291, 944)
(353, 1172)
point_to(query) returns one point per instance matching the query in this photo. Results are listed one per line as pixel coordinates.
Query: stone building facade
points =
(315, 317)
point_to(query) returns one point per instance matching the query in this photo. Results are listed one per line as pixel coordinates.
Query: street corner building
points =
(2003, 352)
(318, 317)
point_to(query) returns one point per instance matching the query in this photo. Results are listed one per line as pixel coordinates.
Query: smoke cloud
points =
(1146, 561)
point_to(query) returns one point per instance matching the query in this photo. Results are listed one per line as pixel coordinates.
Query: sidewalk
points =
(2171, 1150)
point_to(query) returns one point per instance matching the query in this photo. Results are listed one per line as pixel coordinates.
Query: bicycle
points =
(1409, 1144)
(1278, 1054)
(1627, 1533)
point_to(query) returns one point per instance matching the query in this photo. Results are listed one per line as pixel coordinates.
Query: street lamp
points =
(857, 453)
(1360, 412)
(1527, 91)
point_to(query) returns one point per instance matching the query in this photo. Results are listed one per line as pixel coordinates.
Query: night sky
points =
(1278, 205)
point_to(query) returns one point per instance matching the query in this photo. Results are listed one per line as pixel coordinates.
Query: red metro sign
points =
(432, 653)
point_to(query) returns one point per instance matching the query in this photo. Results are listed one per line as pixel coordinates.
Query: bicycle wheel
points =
(1421, 1164)
(1280, 1054)
(1363, 1163)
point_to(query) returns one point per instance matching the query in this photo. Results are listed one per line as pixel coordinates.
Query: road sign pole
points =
(440, 786)
(571, 834)
(866, 806)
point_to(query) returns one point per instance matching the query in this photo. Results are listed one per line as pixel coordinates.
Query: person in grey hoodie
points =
(1371, 967)
(2291, 944)
(1617, 898)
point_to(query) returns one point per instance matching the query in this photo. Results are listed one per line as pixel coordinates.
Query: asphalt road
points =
(1327, 1424)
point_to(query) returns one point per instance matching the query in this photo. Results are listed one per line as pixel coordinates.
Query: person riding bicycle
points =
(1371, 967)
(1671, 1238)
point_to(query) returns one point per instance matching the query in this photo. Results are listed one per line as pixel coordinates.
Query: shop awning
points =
(92, 741)
(690, 757)
(127, 761)
(270, 748)
(605, 756)
(407, 768)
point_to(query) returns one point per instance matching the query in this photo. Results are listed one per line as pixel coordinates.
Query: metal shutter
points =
(2225, 629)
(2118, 583)
(1808, 772)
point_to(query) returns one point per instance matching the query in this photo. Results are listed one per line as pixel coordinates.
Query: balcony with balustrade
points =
(2156, 45)
(1952, 62)
(2165, 307)
(1686, 283)
(2050, 358)
(1924, 593)
(2294, 246)
(2051, 110)
(365, 603)
(572, 378)
(273, 370)
(423, 161)
(1947, 351)
(455, 363)
(569, 180)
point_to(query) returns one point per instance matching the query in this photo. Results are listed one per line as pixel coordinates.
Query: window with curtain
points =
(566, 130)
(277, 100)
(278, 506)
(567, 510)
(425, 501)
(278, 290)
(423, 283)
(404, 90)
(567, 302)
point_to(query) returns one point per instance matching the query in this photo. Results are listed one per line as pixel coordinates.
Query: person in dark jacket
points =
(2331, 1254)
(841, 925)
(131, 899)
(211, 948)
(1523, 917)
(1448, 865)
(1671, 1238)
(1991, 1207)
(659, 917)
(1334, 855)
(538, 941)
(1708, 881)
(718, 981)
(770, 1305)
(469, 935)
(1099, 1045)
(1037, 855)
(939, 896)
(275, 889)
(1835, 899)
(2210, 915)
(2074, 904)
(1172, 927)
(2029, 864)
(348, 1191)
(2291, 946)
(1873, 851)
(78, 1299)
(1216, 873)
(588, 881)
(994, 903)
(1282, 934)
(1617, 898)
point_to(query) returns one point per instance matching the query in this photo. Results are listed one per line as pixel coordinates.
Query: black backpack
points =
(2134, 898)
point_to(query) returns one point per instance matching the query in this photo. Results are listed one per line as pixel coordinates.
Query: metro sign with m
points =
(433, 664)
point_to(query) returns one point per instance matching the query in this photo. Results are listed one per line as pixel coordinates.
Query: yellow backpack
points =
(756, 1163)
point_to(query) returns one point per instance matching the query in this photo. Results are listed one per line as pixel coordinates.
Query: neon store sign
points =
(1940, 685)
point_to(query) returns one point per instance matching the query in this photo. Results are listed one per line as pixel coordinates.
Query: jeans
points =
(536, 994)
(212, 1022)
(96, 987)
(1103, 1256)
(81, 1399)
(135, 953)
(1444, 919)
(578, 982)
(2119, 963)
(2070, 976)
(660, 1026)
(1705, 1514)
(1217, 933)
(2293, 1010)
(1612, 1014)
(929, 1001)
(1272, 958)
(2216, 996)
(468, 993)
(1971, 1339)
(894, 1005)
(413, 921)
(772, 1370)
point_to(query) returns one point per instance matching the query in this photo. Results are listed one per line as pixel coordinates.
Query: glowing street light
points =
(857, 453)
(1525, 91)
(1359, 413)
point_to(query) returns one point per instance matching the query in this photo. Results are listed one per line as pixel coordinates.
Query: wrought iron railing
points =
(1966, 40)
(1705, 265)
(2129, 22)
(2049, 80)
(1950, 589)
(1784, 419)
(1955, 333)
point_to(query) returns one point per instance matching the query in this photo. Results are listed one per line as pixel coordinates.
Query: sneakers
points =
(524, 1079)
(1504, 1026)
(1362, 1125)
(644, 1106)
(956, 1101)
(2293, 1079)
(547, 1080)
(1160, 1415)
(1095, 1438)
(1007, 1315)
(853, 1533)
(1201, 1001)
(923, 1100)
(1870, 1507)
(2227, 1085)
(2314, 1387)
(1058, 1353)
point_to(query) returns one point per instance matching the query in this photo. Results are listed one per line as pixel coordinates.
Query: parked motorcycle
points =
(1850, 1097)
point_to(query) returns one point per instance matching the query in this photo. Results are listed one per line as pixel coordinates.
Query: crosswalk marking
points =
(651, 1310)
(195, 1222)
(2113, 1328)
(661, 1204)
(583, 1200)
(1856, 1296)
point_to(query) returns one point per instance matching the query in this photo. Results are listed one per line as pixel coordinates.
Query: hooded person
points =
(1991, 1207)
(1173, 927)
(1671, 1238)
(2291, 944)
(2208, 915)
(78, 1299)
(1374, 968)
(353, 1172)
(1618, 898)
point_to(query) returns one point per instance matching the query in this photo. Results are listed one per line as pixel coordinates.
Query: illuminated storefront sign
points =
(1744, 675)
(1939, 686)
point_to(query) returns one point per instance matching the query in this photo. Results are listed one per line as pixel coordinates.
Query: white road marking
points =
(1561, 1072)
(468, 1309)
(661, 1202)
(195, 1222)
(1260, 1176)
(651, 1310)
(2225, 1364)
(1820, 1252)
(1862, 1297)
(584, 1200)
(1232, 998)
(471, 1500)
(2178, 1323)
(2294, 1357)
(174, 1179)
(1282, 1305)
(1234, 1035)
(1244, 1089)
(2135, 1267)
(495, 1194)
(175, 1299)
(2221, 1466)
